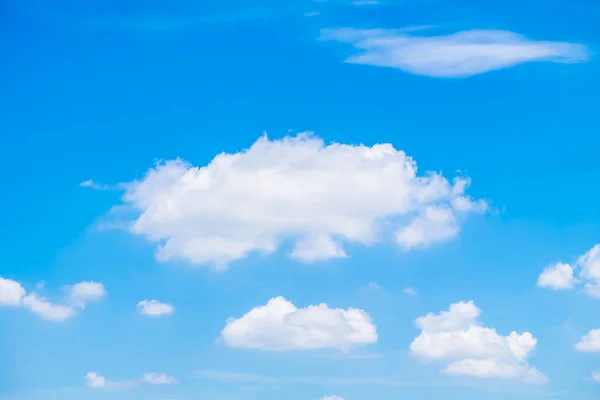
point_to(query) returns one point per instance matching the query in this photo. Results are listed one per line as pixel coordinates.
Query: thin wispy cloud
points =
(460, 54)
(94, 185)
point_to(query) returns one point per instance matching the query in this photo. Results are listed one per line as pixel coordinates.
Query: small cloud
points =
(154, 308)
(590, 343)
(46, 309)
(84, 292)
(409, 291)
(561, 276)
(159, 379)
(93, 185)
(596, 376)
(95, 381)
(365, 2)
(312, 14)
(13, 294)
(334, 397)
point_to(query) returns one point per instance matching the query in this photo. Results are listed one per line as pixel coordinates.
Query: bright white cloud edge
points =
(281, 326)
(460, 54)
(298, 190)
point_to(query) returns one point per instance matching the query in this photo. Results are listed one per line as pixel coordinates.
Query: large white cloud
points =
(590, 343)
(13, 294)
(455, 336)
(296, 189)
(460, 54)
(281, 326)
(585, 270)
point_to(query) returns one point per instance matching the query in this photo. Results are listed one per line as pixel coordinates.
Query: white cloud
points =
(96, 381)
(433, 225)
(11, 292)
(409, 291)
(84, 292)
(154, 308)
(456, 336)
(586, 267)
(596, 376)
(590, 343)
(589, 265)
(46, 309)
(155, 378)
(557, 277)
(280, 326)
(334, 397)
(93, 185)
(296, 189)
(460, 54)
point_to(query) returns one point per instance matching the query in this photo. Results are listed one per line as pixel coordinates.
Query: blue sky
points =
(301, 200)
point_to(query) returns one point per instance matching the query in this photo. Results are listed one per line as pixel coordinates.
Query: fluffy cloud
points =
(557, 277)
(562, 276)
(13, 294)
(84, 292)
(456, 336)
(154, 308)
(332, 398)
(46, 309)
(460, 54)
(596, 376)
(280, 326)
(96, 381)
(590, 343)
(296, 189)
